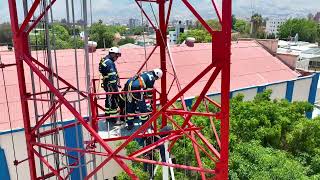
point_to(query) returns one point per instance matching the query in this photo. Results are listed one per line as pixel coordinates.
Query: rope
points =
(58, 86)
(91, 20)
(144, 39)
(42, 107)
(10, 123)
(53, 118)
(87, 64)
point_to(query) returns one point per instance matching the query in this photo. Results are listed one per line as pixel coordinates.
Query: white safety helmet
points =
(115, 50)
(158, 73)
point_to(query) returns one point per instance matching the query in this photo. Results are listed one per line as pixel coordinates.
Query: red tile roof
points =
(251, 66)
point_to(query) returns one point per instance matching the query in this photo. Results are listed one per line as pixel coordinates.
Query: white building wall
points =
(249, 94)
(301, 90)
(273, 25)
(21, 154)
(173, 37)
(278, 90)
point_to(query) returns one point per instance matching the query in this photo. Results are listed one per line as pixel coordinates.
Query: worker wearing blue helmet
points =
(135, 100)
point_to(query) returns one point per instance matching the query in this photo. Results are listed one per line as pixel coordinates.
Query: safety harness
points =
(142, 85)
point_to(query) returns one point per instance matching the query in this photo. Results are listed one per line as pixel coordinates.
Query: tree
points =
(127, 40)
(250, 160)
(99, 33)
(307, 30)
(242, 26)
(199, 32)
(201, 36)
(269, 139)
(135, 30)
(257, 22)
(5, 33)
(310, 16)
(59, 38)
(271, 36)
(213, 23)
(234, 21)
(318, 36)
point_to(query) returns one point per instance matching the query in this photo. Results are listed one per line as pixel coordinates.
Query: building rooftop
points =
(304, 50)
(251, 65)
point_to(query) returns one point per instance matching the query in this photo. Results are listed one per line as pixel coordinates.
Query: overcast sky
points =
(121, 10)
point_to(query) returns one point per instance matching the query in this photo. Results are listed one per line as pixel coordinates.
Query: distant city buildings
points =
(179, 28)
(301, 55)
(173, 37)
(189, 23)
(317, 17)
(133, 23)
(273, 25)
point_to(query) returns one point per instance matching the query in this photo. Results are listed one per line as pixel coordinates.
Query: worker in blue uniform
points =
(111, 82)
(136, 100)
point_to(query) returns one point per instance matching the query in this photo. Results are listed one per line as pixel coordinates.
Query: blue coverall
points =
(110, 83)
(136, 100)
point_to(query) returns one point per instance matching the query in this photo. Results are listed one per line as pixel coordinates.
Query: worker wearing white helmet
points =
(136, 101)
(111, 81)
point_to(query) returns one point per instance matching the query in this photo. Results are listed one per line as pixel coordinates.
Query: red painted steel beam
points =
(49, 175)
(183, 112)
(46, 116)
(149, 56)
(191, 168)
(213, 102)
(198, 16)
(217, 12)
(54, 74)
(168, 13)
(123, 92)
(55, 106)
(154, 110)
(54, 130)
(197, 156)
(145, 14)
(71, 149)
(78, 117)
(199, 99)
(47, 92)
(147, 0)
(222, 165)
(156, 115)
(147, 135)
(171, 84)
(208, 144)
(41, 158)
(193, 140)
(21, 47)
(213, 126)
(39, 99)
(56, 151)
(162, 42)
(35, 23)
(94, 112)
(29, 16)
(153, 145)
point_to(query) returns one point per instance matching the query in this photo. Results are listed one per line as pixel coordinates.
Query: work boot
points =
(118, 122)
(130, 127)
